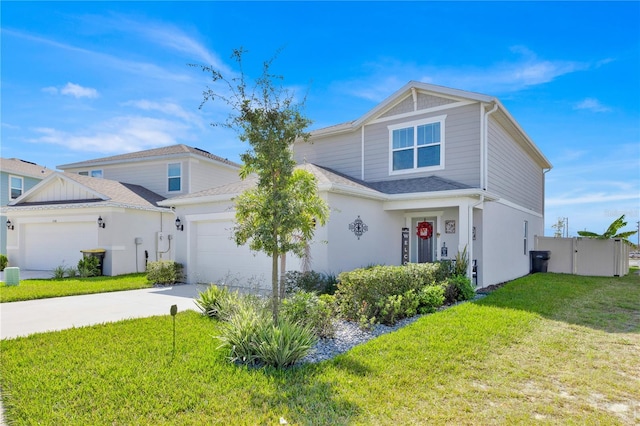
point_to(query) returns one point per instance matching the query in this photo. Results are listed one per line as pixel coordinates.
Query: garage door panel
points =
(219, 259)
(48, 245)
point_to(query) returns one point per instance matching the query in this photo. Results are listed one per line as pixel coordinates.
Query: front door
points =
(425, 241)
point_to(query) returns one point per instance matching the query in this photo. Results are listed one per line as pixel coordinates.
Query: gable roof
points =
(20, 167)
(165, 152)
(90, 192)
(454, 94)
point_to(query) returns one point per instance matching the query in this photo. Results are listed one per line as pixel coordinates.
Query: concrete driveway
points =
(37, 316)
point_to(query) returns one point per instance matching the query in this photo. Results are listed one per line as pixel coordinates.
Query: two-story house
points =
(428, 172)
(16, 177)
(110, 203)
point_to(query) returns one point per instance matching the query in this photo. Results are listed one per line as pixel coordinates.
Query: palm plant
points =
(611, 232)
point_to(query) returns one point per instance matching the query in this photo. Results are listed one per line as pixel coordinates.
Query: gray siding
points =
(339, 152)
(512, 174)
(462, 147)
(205, 175)
(196, 175)
(424, 102)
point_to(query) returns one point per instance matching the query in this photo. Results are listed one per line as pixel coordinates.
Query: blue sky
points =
(83, 80)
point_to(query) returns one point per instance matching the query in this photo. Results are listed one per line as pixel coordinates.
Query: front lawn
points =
(44, 288)
(547, 348)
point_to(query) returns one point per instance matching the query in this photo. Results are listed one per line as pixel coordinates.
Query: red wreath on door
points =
(425, 230)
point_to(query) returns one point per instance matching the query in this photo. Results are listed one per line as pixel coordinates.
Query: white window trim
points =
(438, 119)
(11, 187)
(173, 177)
(526, 237)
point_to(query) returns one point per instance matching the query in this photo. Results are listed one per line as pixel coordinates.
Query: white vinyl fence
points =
(586, 256)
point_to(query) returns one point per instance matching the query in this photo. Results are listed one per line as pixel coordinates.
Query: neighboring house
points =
(16, 177)
(168, 171)
(451, 165)
(58, 218)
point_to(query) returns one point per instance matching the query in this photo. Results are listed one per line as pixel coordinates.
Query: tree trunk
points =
(283, 267)
(274, 285)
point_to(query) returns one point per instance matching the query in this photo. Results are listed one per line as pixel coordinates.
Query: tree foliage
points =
(279, 214)
(611, 232)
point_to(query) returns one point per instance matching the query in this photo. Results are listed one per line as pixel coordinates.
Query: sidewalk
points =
(59, 313)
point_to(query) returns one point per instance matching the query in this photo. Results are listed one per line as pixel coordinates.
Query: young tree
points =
(279, 214)
(611, 232)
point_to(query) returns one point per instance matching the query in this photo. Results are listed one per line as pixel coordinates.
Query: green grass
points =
(547, 349)
(44, 288)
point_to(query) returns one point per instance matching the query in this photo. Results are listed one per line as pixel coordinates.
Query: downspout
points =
(362, 152)
(485, 152)
(470, 236)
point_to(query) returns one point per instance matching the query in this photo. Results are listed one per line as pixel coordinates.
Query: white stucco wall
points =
(122, 226)
(503, 255)
(380, 244)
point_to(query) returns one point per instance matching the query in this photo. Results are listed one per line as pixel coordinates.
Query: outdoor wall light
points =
(101, 223)
(179, 225)
(9, 225)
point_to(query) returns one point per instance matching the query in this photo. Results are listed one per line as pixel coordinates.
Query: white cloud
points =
(147, 70)
(78, 91)
(592, 104)
(591, 198)
(121, 134)
(518, 73)
(169, 108)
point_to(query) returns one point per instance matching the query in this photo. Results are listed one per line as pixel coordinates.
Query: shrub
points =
(71, 272)
(59, 272)
(213, 301)
(283, 344)
(254, 339)
(445, 270)
(310, 281)
(3, 262)
(363, 292)
(164, 272)
(398, 306)
(430, 298)
(458, 288)
(240, 330)
(88, 267)
(462, 263)
(309, 310)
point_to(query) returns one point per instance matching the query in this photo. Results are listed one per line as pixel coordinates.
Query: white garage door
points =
(48, 245)
(220, 260)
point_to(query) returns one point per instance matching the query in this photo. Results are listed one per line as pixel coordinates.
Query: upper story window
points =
(93, 173)
(16, 187)
(174, 173)
(417, 145)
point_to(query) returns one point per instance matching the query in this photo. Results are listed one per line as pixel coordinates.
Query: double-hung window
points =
(174, 173)
(417, 146)
(16, 186)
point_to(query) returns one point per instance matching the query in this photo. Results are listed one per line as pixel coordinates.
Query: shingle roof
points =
(114, 193)
(334, 179)
(414, 185)
(23, 168)
(398, 186)
(166, 151)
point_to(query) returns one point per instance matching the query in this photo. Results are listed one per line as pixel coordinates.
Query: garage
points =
(64, 242)
(219, 260)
